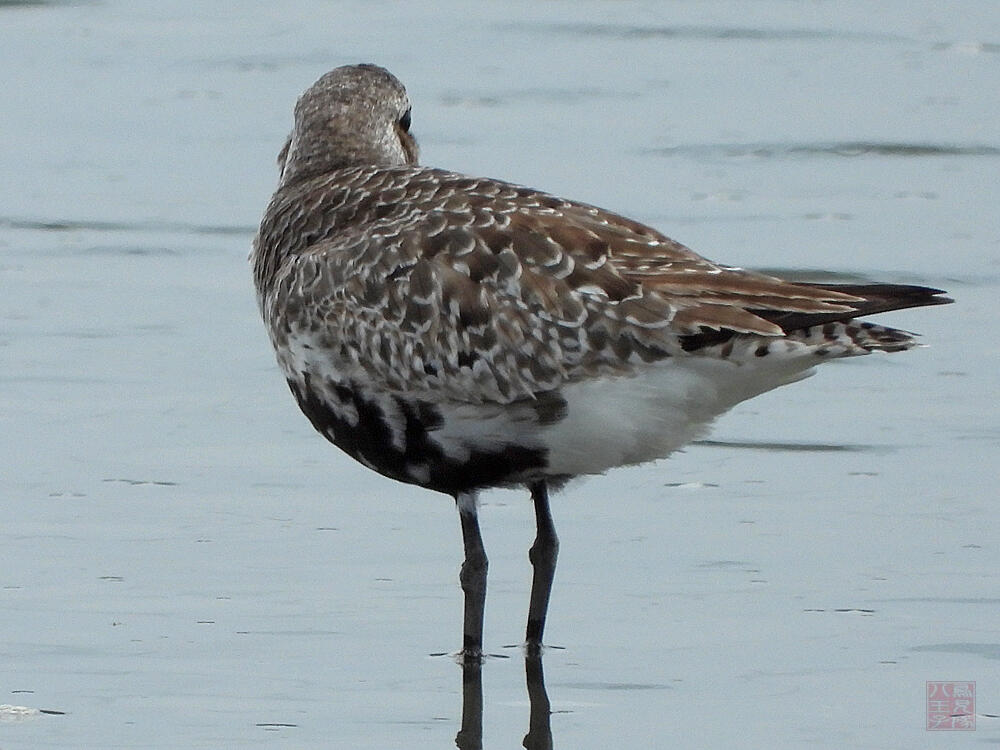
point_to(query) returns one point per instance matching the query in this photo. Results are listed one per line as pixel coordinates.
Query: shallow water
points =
(183, 563)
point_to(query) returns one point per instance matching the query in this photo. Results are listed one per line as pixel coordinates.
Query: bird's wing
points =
(702, 295)
(478, 289)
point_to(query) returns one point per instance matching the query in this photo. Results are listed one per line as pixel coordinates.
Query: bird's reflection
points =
(539, 736)
(470, 736)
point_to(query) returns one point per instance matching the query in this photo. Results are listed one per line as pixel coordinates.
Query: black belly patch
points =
(420, 461)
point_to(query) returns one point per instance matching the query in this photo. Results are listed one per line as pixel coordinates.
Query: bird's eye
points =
(404, 121)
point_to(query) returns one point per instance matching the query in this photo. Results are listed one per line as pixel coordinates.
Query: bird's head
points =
(355, 115)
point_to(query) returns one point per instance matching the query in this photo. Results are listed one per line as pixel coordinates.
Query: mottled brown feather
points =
(464, 263)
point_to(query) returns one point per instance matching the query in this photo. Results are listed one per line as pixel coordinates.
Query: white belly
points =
(617, 421)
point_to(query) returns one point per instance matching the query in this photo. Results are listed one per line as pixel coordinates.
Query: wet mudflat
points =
(183, 563)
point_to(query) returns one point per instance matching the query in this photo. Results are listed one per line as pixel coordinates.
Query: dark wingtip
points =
(887, 297)
(874, 299)
(918, 291)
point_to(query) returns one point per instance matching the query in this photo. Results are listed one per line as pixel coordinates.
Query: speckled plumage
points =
(459, 332)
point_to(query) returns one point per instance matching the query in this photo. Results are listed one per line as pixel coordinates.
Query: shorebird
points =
(461, 333)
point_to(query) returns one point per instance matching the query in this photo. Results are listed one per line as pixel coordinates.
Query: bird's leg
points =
(539, 736)
(543, 554)
(470, 736)
(472, 576)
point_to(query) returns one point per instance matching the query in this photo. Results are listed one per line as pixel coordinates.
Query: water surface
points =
(183, 563)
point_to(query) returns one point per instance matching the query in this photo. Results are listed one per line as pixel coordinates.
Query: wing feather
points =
(416, 278)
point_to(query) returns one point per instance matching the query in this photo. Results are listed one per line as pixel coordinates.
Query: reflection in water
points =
(539, 736)
(470, 736)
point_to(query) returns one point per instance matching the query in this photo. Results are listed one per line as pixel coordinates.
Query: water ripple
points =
(695, 32)
(793, 447)
(985, 650)
(824, 149)
(168, 227)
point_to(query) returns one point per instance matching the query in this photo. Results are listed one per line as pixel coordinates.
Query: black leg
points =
(543, 556)
(473, 576)
(470, 736)
(539, 736)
